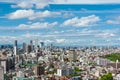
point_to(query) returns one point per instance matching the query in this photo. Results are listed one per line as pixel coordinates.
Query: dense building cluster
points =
(35, 61)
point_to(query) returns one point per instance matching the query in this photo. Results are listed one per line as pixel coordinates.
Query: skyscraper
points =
(36, 45)
(24, 47)
(72, 55)
(15, 48)
(1, 73)
(29, 49)
(42, 45)
(31, 44)
(39, 70)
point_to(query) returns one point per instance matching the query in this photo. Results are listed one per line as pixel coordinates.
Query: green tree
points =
(77, 69)
(113, 56)
(107, 77)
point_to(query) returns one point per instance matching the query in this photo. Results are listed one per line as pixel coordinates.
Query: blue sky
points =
(61, 22)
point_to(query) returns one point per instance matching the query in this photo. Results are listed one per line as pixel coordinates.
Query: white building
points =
(117, 77)
(4, 63)
(20, 74)
(15, 47)
(1, 73)
(65, 71)
(102, 61)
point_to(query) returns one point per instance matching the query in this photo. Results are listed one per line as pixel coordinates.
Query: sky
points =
(60, 22)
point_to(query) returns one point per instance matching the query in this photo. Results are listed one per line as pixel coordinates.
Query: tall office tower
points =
(15, 48)
(24, 47)
(36, 45)
(36, 42)
(72, 55)
(1, 73)
(31, 44)
(51, 47)
(42, 45)
(29, 49)
(39, 70)
(4, 64)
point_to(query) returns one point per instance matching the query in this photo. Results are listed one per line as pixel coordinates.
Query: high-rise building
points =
(1, 73)
(29, 49)
(15, 48)
(16, 59)
(72, 55)
(39, 70)
(36, 42)
(15, 43)
(31, 43)
(7, 63)
(36, 45)
(4, 64)
(24, 47)
(51, 47)
(42, 45)
(66, 71)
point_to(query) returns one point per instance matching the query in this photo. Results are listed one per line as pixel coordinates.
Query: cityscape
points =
(59, 40)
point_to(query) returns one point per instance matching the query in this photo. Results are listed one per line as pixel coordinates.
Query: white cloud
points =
(8, 1)
(67, 14)
(20, 14)
(31, 14)
(44, 14)
(60, 40)
(38, 4)
(82, 22)
(37, 25)
(86, 1)
(115, 21)
(106, 35)
(9, 39)
(48, 41)
(23, 4)
(28, 35)
(65, 1)
(41, 3)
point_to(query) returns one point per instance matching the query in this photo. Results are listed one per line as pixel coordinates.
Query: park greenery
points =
(107, 77)
(28, 64)
(74, 75)
(76, 69)
(113, 57)
(77, 72)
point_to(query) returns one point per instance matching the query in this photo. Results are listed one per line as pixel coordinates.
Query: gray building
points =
(1, 73)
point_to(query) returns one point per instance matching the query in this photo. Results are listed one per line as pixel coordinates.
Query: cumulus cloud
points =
(23, 4)
(44, 14)
(41, 3)
(106, 35)
(8, 1)
(115, 21)
(48, 41)
(20, 14)
(60, 40)
(65, 1)
(86, 1)
(28, 35)
(37, 25)
(82, 22)
(38, 4)
(6, 39)
(31, 14)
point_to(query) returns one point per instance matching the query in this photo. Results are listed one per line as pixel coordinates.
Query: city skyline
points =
(60, 22)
